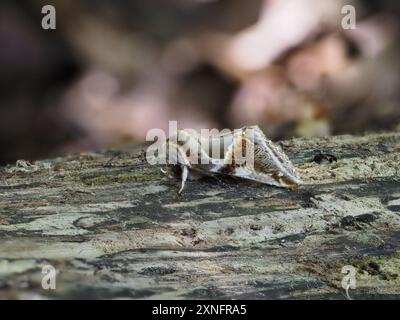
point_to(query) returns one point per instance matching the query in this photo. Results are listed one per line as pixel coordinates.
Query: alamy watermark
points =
(49, 19)
(49, 278)
(349, 19)
(209, 146)
(349, 280)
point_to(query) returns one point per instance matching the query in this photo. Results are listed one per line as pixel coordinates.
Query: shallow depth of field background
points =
(112, 70)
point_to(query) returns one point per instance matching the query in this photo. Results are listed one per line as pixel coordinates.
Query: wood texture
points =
(114, 227)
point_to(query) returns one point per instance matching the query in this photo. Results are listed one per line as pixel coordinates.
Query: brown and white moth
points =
(244, 153)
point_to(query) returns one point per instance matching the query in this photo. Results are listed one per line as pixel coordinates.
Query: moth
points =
(244, 153)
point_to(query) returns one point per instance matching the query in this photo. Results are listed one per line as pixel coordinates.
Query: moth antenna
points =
(185, 172)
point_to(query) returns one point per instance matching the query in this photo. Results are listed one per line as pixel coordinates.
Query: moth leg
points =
(185, 172)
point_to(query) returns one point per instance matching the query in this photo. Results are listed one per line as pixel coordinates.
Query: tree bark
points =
(114, 227)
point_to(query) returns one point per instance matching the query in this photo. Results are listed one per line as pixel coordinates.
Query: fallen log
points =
(114, 227)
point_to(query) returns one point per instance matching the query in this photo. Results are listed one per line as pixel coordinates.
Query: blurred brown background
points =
(114, 69)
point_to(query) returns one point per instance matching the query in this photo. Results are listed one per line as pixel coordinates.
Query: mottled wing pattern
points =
(265, 161)
(271, 164)
(250, 155)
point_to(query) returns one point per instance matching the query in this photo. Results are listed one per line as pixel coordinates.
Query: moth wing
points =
(264, 161)
(269, 159)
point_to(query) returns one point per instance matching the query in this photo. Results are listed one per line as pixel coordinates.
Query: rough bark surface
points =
(114, 227)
